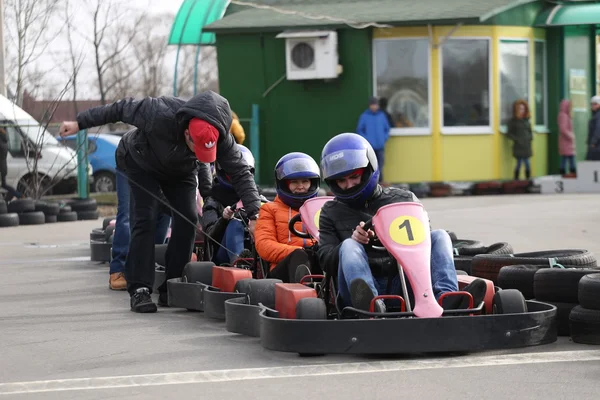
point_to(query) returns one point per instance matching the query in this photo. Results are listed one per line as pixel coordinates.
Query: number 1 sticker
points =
(407, 231)
(316, 219)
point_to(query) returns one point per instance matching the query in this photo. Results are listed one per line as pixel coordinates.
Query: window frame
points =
(419, 131)
(503, 128)
(468, 130)
(542, 128)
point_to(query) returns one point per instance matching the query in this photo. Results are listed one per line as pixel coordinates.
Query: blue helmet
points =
(296, 166)
(343, 154)
(223, 178)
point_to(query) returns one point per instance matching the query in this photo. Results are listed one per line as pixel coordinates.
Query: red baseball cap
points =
(205, 138)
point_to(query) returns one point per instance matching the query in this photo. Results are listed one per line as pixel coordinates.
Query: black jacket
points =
(593, 139)
(338, 221)
(158, 144)
(3, 153)
(213, 222)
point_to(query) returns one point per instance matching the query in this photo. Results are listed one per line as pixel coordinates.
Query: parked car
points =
(33, 150)
(101, 155)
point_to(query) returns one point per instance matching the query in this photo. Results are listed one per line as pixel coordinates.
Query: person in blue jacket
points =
(374, 126)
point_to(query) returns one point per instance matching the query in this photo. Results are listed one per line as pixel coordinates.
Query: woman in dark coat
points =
(519, 131)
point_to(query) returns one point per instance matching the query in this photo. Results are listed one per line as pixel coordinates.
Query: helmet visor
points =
(342, 162)
(297, 168)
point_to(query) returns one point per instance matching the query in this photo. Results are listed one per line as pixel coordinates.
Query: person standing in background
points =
(566, 138)
(374, 126)
(519, 131)
(593, 140)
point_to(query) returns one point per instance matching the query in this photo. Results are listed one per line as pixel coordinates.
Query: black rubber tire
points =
(67, 216)
(109, 231)
(452, 235)
(107, 220)
(10, 219)
(496, 248)
(97, 235)
(21, 206)
(589, 292)
(559, 284)
(32, 218)
(263, 291)
(3, 208)
(64, 208)
(311, 308)
(88, 215)
(242, 286)
(488, 265)
(563, 310)
(160, 251)
(50, 219)
(518, 277)
(83, 204)
(466, 244)
(47, 208)
(463, 263)
(585, 325)
(198, 271)
(509, 301)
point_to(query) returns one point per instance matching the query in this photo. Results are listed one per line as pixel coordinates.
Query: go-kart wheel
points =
(311, 308)
(198, 272)
(263, 291)
(461, 272)
(509, 301)
(242, 286)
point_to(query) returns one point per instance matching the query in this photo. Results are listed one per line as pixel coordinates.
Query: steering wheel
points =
(292, 228)
(374, 242)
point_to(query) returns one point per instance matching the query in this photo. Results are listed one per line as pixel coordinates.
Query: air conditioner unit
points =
(311, 55)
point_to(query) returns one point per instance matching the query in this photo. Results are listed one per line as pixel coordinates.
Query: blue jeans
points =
(233, 240)
(522, 161)
(120, 245)
(355, 264)
(563, 163)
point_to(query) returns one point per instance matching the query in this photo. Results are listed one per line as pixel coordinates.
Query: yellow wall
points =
(443, 157)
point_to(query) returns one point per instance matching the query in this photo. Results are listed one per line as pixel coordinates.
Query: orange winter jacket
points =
(272, 237)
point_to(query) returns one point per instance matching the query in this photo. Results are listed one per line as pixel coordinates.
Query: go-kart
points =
(309, 320)
(205, 286)
(101, 241)
(242, 312)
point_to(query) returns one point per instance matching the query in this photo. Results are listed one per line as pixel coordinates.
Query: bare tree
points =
(111, 39)
(207, 74)
(28, 25)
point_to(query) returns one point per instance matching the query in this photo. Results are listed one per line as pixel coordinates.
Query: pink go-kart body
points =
(403, 228)
(309, 214)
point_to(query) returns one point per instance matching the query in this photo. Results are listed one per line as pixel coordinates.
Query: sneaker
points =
(117, 281)
(361, 296)
(477, 288)
(141, 301)
(301, 271)
(163, 299)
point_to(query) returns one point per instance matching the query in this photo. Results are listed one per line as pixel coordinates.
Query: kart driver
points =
(297, 179)
(217, 216)
(349, 167)
(171, 148)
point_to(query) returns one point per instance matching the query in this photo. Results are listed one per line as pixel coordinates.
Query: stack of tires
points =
(86, 209)
(584, 319)
(465, 250)
(25, 209)
(7, 219)
(101, 240)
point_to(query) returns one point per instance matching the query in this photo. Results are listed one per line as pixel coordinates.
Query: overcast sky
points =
(59, 48)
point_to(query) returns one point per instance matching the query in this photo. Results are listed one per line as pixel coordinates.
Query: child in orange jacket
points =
(298, 179)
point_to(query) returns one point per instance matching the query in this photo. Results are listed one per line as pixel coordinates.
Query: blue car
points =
(101, 155)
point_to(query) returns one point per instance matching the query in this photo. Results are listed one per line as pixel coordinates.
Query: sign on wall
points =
(578, 90)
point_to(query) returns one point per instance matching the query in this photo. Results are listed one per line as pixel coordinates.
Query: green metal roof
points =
(276, 14)
(192, 17)
(570, 14)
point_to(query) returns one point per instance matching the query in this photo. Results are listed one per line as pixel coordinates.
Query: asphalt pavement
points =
(65, 335)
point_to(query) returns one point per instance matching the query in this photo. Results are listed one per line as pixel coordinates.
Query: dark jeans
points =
(181, 194)
(286, 268)
(525, 162)
(563, 164)
(120, 245)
